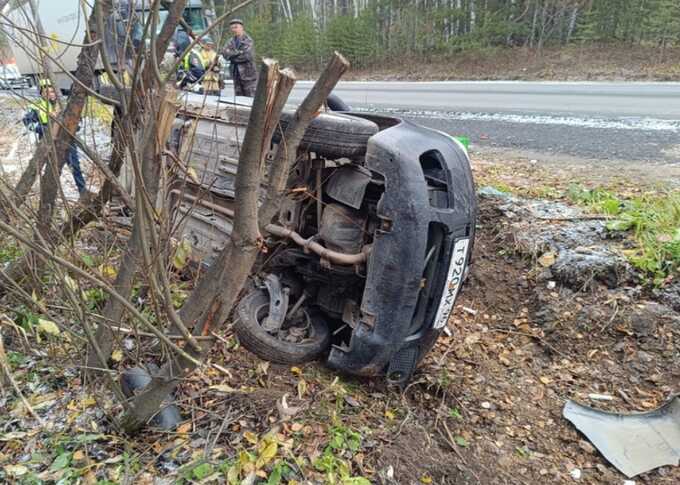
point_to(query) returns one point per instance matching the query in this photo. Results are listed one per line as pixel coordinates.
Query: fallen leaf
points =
(13, 435)
(547, 259)
(182, 253)
(48, 327)
(250, 437)
(61, 462)
(460, 441)
(108, 271)
(267, 454)
(184, 428)
(117, 355)
(285, 411)
(15, 470)
(301, 388)
(225, 388)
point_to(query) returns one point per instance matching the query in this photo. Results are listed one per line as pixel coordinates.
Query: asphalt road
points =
(634, 122)
(637, 122)
(653, 100)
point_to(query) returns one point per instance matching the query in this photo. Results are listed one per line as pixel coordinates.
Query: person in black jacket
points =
(240, 52)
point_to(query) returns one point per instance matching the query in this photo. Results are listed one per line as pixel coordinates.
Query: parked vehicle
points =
(64, 23)
(368, 252)
(11, 78)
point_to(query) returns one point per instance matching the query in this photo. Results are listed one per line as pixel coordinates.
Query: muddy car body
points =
(368, 252)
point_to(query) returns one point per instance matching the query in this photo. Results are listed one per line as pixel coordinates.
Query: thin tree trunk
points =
(241, 249)
(130, 264)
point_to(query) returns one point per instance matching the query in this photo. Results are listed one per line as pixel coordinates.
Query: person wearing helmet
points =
(241, 53)
(41, 117)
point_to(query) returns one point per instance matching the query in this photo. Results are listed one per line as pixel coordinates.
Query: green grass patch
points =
(652, 218)
(9, 252)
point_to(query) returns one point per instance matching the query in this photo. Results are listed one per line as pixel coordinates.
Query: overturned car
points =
(366, 256)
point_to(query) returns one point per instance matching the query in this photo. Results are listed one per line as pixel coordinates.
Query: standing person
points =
(40, 118)
(191, 69)
(240, 52)
(211, 64)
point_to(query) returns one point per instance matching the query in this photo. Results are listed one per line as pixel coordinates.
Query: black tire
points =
(266, 346)
(333, 135)
(335, 103)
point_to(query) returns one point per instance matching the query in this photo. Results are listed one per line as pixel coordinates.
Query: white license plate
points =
(454, 280)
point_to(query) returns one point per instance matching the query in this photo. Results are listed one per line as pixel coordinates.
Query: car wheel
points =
(333, 135)
(335, 103)
(294, 344)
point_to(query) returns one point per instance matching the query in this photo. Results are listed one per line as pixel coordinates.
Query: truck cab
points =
(64, 24)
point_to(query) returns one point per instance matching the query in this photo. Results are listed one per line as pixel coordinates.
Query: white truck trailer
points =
(63, 23)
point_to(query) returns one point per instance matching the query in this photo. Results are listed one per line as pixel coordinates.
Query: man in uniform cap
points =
(241, 53)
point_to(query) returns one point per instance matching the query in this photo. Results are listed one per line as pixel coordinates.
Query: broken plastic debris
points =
(471, 311)
(633, 443)
(601, 397)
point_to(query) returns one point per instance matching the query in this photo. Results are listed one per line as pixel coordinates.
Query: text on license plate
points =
(454, 280)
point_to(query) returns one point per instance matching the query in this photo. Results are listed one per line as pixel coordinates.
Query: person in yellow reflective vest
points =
(40, 118)
(211, 63)
(191, 69)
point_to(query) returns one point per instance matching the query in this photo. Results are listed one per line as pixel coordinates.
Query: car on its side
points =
(369, 250)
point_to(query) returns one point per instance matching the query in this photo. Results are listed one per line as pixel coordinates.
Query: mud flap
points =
(402, 365)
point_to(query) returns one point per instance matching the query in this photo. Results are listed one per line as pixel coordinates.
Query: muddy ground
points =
(485, 406)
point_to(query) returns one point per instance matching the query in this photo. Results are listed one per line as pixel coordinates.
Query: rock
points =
(587, 447)
(492, 192)
(580, 268)
(536, 239)
(645, 317)
(645, 357)
(545, 275)
(670, 296)
(545, 317)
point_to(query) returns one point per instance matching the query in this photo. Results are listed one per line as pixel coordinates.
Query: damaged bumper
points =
(419, 253)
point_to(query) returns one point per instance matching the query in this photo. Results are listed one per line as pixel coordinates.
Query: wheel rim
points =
(287, 331)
